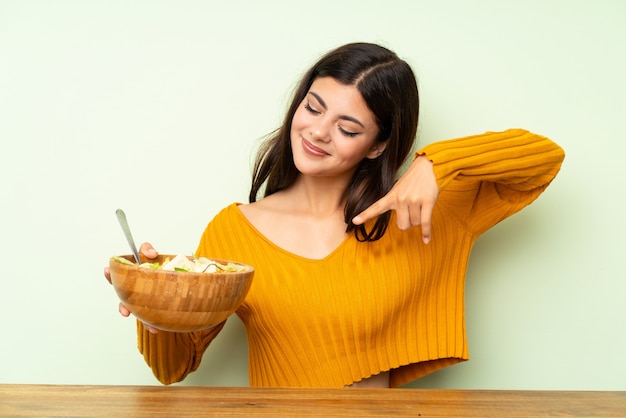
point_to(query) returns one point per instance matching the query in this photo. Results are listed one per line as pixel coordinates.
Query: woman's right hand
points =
(147, 250)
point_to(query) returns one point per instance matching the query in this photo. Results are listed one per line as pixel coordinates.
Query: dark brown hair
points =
(389, 89)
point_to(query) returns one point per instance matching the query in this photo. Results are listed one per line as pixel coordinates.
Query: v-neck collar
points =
(285, 251)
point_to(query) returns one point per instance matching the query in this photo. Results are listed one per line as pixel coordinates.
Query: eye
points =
(308, 107)
(348, 133)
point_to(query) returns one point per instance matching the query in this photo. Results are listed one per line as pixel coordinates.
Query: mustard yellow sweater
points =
(394, 304)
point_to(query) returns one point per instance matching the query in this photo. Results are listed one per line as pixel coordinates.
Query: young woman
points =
(359, 275)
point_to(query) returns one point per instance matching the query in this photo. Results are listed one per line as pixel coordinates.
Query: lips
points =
(312, 149)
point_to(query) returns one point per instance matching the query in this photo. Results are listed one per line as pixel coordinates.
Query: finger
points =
(377, 208)
(426, 220)
(124, 310)
(107, 274)
(403, 218)
(148, 250)
(415, 215)
(149, 328)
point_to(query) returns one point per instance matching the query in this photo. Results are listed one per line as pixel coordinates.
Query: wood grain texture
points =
(182, 401)
(179, 301)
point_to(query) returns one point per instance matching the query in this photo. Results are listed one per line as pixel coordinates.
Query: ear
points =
(376, 150)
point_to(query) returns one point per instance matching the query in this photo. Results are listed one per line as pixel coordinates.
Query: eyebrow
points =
(344, 117)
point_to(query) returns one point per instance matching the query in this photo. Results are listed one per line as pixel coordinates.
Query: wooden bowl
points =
(176, 300)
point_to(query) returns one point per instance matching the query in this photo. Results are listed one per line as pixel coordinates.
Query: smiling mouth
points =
(312, 149)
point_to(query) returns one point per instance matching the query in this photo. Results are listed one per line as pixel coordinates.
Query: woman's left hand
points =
(413, 198)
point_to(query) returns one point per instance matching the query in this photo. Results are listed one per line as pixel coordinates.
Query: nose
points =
(320, 131)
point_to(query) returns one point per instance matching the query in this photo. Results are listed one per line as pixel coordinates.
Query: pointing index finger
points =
(377, 208)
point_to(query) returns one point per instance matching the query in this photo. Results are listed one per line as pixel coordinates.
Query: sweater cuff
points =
(480, 155)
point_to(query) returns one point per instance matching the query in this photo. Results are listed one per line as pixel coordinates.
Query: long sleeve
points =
(172, 355)
(394, 304)
(488, 177)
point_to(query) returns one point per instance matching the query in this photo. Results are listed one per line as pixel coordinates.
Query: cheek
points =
(349, 151)
(299, 119)
(357, 148)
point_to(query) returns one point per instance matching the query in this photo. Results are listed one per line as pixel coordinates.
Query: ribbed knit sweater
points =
(394, 304)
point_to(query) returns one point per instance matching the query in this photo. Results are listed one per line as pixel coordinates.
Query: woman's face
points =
(333, 130)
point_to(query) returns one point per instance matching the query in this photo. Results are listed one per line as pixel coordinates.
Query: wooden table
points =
(179, 401)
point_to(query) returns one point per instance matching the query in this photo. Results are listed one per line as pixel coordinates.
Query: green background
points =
(157, 107)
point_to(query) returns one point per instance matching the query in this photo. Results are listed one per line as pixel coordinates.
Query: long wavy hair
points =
(389, 89)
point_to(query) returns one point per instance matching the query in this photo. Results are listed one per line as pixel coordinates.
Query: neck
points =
(319, 196)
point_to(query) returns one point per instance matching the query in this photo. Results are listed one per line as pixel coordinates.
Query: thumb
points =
(148, 250)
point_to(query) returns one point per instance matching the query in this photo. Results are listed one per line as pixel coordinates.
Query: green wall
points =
(157, 107)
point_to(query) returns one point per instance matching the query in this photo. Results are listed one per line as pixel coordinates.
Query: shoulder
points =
(223, 233)
(268, 208)
(225, 217)
(228, 212)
